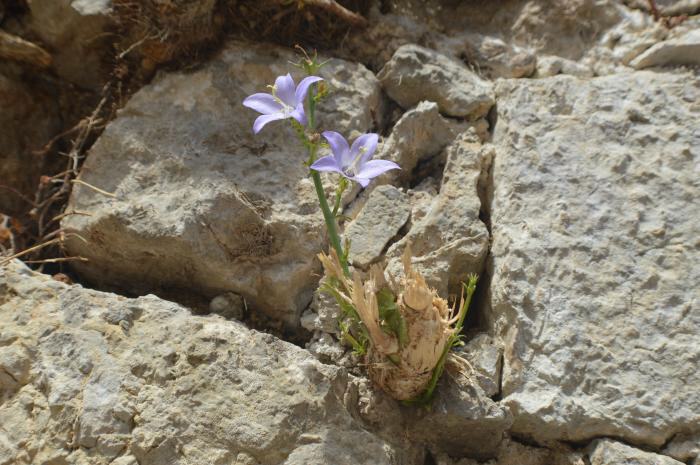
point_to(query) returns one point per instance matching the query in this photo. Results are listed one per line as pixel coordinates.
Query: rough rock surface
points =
(514, 453)
(684, 50)
(461, 421)
(387, 210)
(419, 135)
(485, 359)
(607, 452)
(416, 73)
(450, 241)
(595, 240)
(94, 378)
(200, 203)
(684, 448)
(492, 56)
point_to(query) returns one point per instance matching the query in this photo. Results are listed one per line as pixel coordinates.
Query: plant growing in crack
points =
(402, 329)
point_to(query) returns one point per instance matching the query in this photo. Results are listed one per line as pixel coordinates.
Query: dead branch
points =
(654, 10)
(334, 8)
(17, 49)
(96, 189)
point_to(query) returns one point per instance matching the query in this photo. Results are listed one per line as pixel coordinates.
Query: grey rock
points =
(177, 389)
(387, 210)
(484, 357)
(450, 241)
(513, 453)
(633, 34)
(609, 452)
(419, 135)
(78, 34)
(594, 242)
(461, 421)
(684, 50)
(326, 348)
(229, 305)
(322, 314)
(552, 65)
(490, 55)
(416, 73)
(203, 205)
(376, 43)
(684, 448)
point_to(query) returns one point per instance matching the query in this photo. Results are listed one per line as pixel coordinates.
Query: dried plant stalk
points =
(409, 326)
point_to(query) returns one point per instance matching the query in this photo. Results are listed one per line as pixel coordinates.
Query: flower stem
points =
(330, 220)
(339, 195)
(328, 215)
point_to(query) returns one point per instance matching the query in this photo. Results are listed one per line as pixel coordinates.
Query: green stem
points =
(339, 195)
(328, 215)
(330, 220)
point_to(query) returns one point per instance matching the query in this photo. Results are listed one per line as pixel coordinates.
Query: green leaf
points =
(392, 320)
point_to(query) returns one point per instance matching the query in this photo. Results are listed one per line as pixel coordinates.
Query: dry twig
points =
(336, 9)
(17, 49)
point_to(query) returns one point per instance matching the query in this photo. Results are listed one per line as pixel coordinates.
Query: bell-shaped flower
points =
(285, 101)
(354, 162)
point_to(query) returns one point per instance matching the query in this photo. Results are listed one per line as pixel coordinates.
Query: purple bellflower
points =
(353, 162)
(285, 101)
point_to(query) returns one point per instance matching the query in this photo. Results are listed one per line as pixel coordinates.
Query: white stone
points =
(175, 389)
(595, 231)
(450, 241)
(608, 452)
(416, 73)
(684, 50)
(387, 210)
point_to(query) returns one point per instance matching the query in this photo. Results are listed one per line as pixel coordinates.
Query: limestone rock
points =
(594, 241)
(387, 210)
(608, 452)
(485, 358)
(229, 305)
(684, 50)
(376, 43)
(322, 314)
(416, 73)
(552, 65)
(513, 453)
(419, 135)
(491, 55)
(201, 204)
(450, 242)
(461, 421)
(684, 448)
(172, 389)
(78, 35)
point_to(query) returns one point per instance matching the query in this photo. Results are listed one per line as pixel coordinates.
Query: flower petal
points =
(299, 115)
(327, 163)
(284, 89)
(262, 120)
(361, 181)
(264, 103)
(367, 144)
(339, 147)
(374, 168)
(303, 88)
